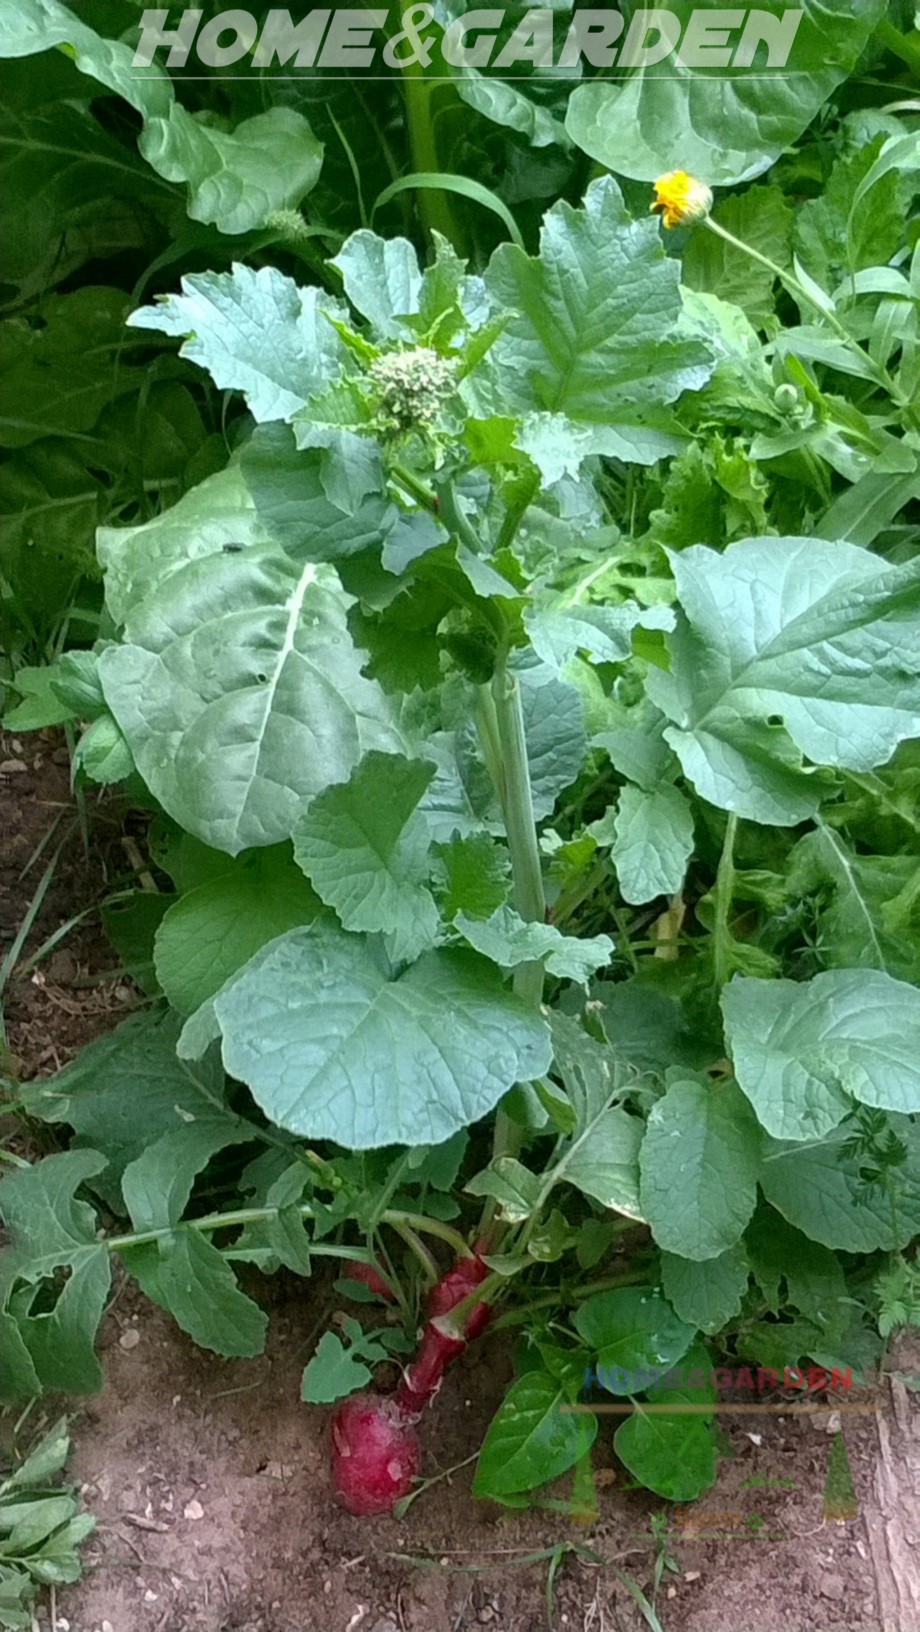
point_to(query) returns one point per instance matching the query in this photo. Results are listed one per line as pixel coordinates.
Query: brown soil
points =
(209, 1477)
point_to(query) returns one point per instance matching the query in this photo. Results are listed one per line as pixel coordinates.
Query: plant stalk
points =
(505, 752)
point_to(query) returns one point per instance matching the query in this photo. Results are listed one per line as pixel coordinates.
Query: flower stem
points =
(791, 282)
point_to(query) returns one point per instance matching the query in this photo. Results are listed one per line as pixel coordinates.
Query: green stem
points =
(791, 282)
(242, 1216)
(576, 1294)
(725, 889)
(434, 208)
(900, 45)
(511, 775)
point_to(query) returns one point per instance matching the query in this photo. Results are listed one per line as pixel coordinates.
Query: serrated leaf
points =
(255, 332)
(699, 1162)
(804, 1051)
(706, 1294)
(530, 1440)
(333, 1372)
(787, 647)
(382, 280)
(241, 695)
(652, 842)
(476, 876)
(596, 327)
(674, 1455)
(52, 1230)
(508, 940)
(634, 1332)
(364, 846)
(333, 1046)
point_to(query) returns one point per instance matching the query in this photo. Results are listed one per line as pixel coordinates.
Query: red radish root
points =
(376, 1454)
(438, 1348)
(371, 1276)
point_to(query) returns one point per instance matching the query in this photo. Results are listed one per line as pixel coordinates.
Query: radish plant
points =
(530, 747)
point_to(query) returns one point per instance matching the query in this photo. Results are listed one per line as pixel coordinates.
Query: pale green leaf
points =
(729, 125)
(255, 332)
(788, 647)
(804, 1051)
(241, 695)
(699, 1162)
(596, 332)
(652, 842)
(508, 940)
(334, 1047)
(364, 846)
(236, 178)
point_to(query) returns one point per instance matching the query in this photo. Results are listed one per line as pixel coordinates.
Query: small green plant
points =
(42, 1529)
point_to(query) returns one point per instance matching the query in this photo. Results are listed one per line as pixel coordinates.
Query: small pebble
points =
(194, 1510)
(9, 767)
(130, 1338)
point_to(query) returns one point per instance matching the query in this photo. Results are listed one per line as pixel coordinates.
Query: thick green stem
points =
(505, 752)
(725, 889)
(434, 208)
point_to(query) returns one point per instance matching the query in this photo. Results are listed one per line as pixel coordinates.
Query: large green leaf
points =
(596, 342)
(333, 1046)
(236, 178)
(214, 515)
(211, 931)
(531, 1439)
(728, 121)
(365, 846)
(788, 647)
(241, 695)
(821, 1190)
(802, 1049)
(699, 1164)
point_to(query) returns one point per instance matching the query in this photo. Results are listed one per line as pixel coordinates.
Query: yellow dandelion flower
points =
(681, 198)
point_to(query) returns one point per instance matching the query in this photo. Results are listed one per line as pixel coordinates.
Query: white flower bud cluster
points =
(414, 385)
